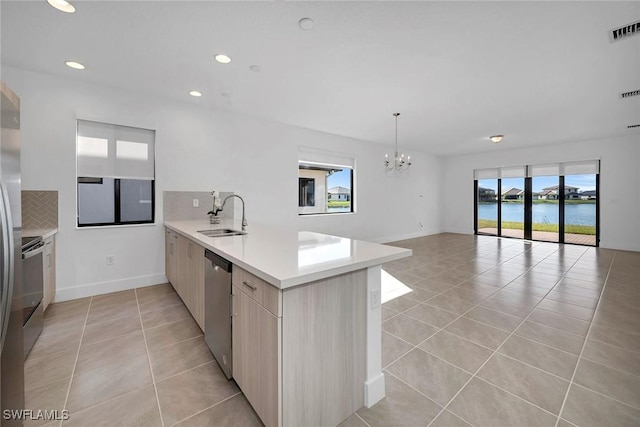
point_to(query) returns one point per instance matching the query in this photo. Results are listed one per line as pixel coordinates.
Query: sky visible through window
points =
(340, 179)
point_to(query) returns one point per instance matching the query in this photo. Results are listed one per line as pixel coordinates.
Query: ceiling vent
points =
(625, 32)
(633, 126)
(630, 94)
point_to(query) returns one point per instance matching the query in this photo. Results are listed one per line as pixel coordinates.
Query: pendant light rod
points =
(396, 116)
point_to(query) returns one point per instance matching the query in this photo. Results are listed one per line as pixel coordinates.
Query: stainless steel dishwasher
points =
(217, 311)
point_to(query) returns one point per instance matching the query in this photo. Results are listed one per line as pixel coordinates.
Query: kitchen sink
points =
(220, 232)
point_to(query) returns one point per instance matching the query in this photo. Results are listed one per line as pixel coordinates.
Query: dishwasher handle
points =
(217, 260)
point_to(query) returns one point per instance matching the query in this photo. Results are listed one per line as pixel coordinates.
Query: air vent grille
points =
(629, 94)
(633, 126)
(621, 33)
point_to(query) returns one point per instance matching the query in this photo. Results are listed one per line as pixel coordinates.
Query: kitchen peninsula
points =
(306, 316)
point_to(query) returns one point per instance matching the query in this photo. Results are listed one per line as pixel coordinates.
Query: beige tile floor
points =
(502, 332)
(545, 236)
(496, 332)
(133, 358)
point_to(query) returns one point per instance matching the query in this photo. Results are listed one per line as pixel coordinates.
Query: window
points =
(325, 183)
(307, 190)
(115, 174)
(550, 202)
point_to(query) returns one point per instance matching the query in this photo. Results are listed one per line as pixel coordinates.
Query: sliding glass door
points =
(551, 203)
(512, 207)
(545, 212)
(487, 206)
(580, 209)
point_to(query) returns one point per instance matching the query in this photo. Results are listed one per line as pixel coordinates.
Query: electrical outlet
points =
(375, 299)
(111, 259)
(196, 203)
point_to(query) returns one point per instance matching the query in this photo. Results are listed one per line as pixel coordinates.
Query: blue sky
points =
(583, 182)
(342, 179)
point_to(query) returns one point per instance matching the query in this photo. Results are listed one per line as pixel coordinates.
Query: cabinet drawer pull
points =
(253, 288)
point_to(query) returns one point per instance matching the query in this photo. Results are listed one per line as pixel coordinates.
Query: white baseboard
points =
(622, 246)
(459, 230)
(374, 391)
(398, 237)
(93, 289)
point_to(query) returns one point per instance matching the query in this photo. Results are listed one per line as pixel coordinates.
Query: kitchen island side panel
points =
(324, 350)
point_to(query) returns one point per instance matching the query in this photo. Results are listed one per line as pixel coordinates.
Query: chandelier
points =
(398, 162)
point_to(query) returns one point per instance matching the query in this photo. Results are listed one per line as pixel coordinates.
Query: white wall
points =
(619, 184)
(200, 149)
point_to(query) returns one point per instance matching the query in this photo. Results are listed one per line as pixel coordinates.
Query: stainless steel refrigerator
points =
(11, 316)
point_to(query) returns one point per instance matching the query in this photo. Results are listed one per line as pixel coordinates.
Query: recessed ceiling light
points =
(195, 93)
(222, 58)
(255, 68)
(496, 138)
(305, 24)
(75, 65)
(62, 5)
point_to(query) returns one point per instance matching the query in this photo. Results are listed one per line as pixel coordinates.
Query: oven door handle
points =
(34, 252)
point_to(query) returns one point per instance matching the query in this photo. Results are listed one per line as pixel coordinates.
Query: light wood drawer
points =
(271, 297)
(248, 283)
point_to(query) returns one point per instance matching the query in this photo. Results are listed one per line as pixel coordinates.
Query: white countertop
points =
(287, 258)
(35, 232)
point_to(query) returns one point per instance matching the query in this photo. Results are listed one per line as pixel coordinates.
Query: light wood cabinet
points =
(170, 255)
(256, 344)
(184, 266)
(194, 282)
(299, 353)
(49, 271)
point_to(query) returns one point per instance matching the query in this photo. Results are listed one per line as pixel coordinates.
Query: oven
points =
(32, 274)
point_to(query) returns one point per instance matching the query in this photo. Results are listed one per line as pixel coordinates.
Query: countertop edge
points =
(45, 233)
(288, 282)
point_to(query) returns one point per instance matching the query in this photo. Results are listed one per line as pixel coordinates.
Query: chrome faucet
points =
(244, 219)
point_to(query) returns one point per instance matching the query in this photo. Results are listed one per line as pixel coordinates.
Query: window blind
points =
(513, 172)
(486, 173)
(504, 172)
(552, 169)
(580, 168)
(585, 167)
(311, 156)
(112, 151)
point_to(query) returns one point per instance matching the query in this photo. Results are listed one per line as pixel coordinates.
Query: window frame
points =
(307, 164)
(87, 178)
(563, 170)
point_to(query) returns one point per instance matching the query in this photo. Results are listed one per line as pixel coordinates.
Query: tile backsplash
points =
(39, 209)
(178, 205)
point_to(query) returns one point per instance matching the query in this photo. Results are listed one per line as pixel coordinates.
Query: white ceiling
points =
(538, 72)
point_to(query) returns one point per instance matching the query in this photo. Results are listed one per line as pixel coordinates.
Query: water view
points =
(542, 213)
